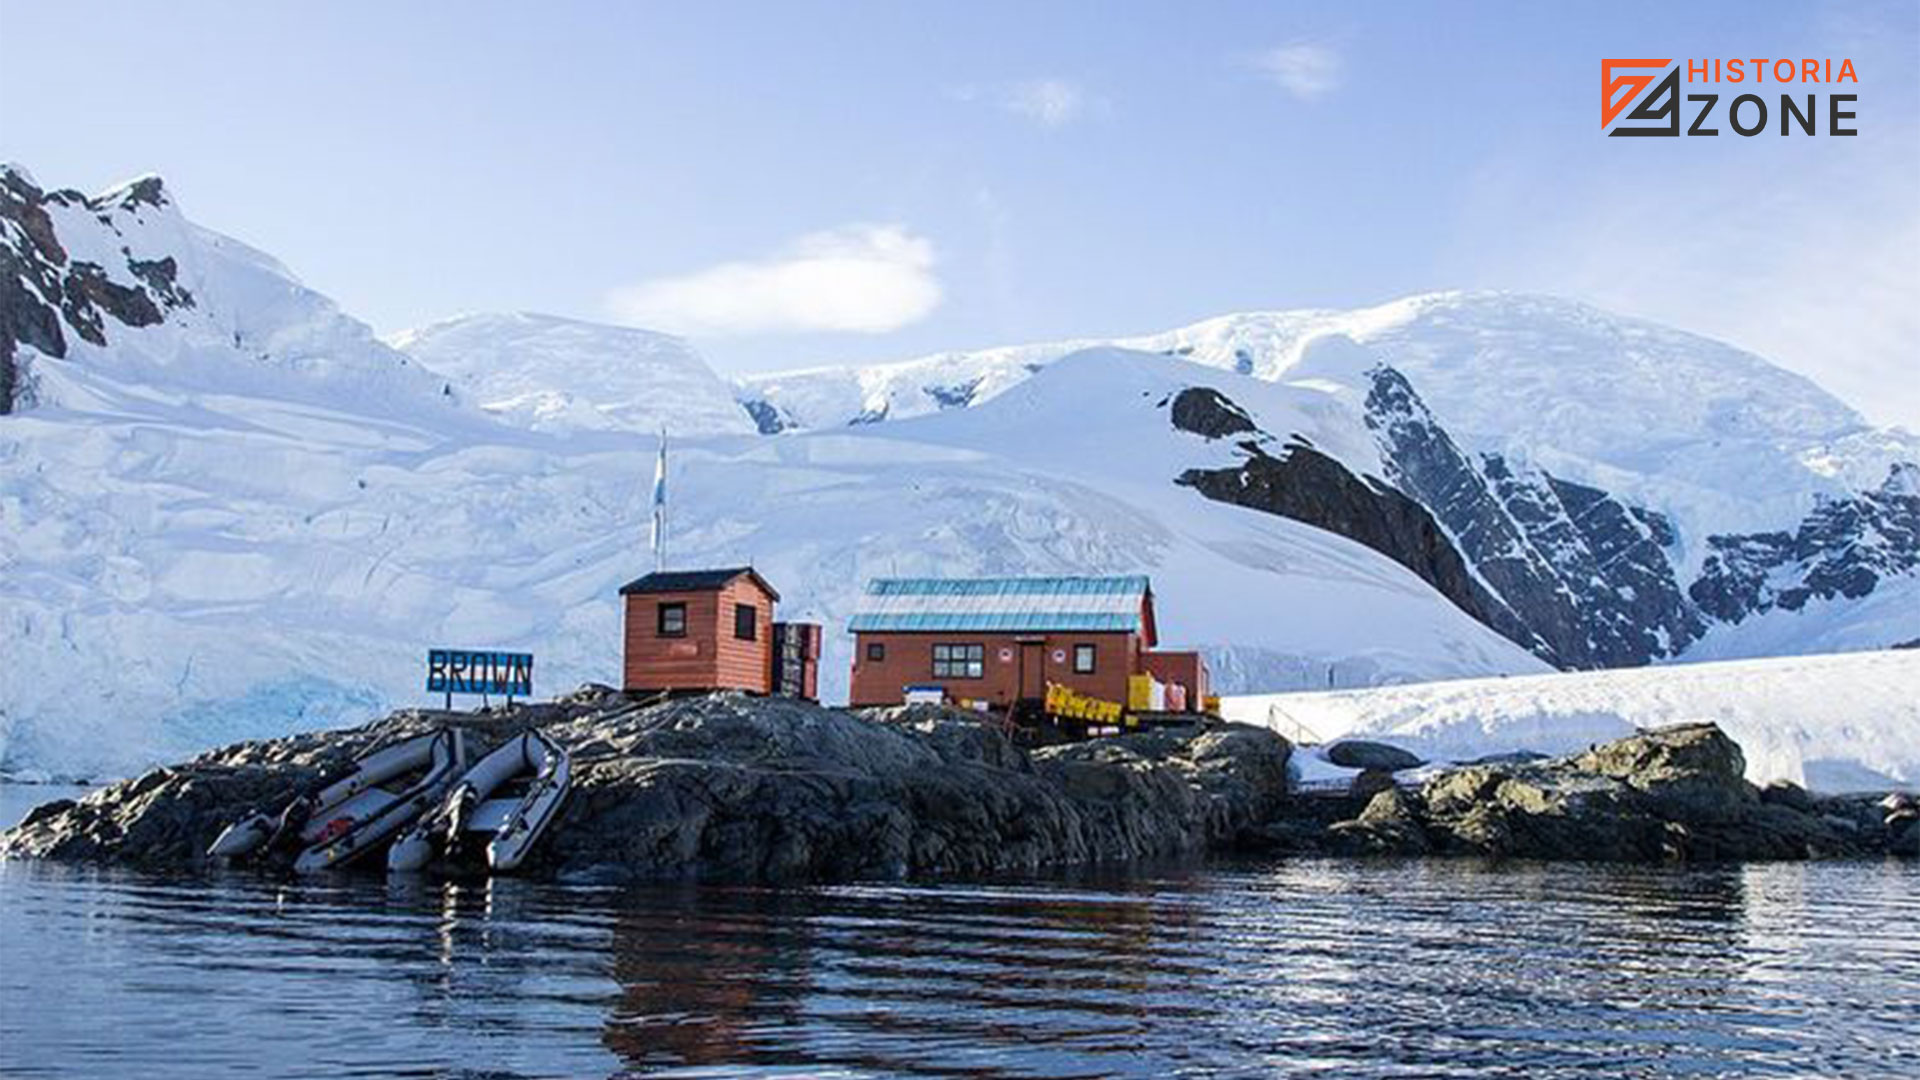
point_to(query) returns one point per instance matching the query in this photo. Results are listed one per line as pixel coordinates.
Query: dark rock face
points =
(1585, 576)
(1564, 570)
(1308, 486)
(43, 293)
(957, 396)
(769, 419)
(1568, 571)
(742, 788)
(1675, 794)
(1202, 410)
(1843, 548)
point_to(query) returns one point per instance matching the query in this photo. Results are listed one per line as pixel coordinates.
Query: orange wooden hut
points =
(699, 630)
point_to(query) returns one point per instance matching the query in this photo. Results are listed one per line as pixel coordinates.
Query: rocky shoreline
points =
(730, 787)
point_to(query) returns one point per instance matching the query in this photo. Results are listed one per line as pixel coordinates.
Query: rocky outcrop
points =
(1303, 484)
(1564, 570)
(1675, 794)
(741, 788)
(1573, 573)
(1843, 548)
(44, 293)
(1202, 410)
(738, 788)
(767, 418)
(1585, 575)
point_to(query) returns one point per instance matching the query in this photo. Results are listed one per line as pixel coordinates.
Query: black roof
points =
(664, 581)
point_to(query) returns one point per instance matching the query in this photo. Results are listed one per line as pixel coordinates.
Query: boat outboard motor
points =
(459, 811)
(286, 835)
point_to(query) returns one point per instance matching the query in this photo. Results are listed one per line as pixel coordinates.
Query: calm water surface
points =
(1350, 968)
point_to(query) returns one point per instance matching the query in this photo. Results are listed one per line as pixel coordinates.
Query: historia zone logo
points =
(1649, 93)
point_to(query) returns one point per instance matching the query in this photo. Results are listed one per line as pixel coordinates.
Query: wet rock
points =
(1903, 836)
(1788, 794)
(1391, 824)
(1362, 754)
(735, 787)
(1369, 783)
(1902, 823)
(1676, 793)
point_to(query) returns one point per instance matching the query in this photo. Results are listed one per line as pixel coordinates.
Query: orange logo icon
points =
(1611, 100)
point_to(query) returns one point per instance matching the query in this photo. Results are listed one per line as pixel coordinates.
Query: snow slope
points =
(1631, 492)
(1712, 436)
(549, 373)
(1832, 723)
(179, 575)
(239, 513)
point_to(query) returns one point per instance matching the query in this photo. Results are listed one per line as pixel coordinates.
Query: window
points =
(959, 661)
(876, 651)
(673, 620)
(1083, 659)
(746, 621)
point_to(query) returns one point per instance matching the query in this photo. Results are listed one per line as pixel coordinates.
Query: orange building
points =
(1002, 641)
(699, 630)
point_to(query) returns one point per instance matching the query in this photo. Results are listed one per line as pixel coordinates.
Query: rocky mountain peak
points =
(1903, 480)
(147, 190)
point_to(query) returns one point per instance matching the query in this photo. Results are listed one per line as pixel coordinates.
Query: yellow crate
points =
(1140, 692)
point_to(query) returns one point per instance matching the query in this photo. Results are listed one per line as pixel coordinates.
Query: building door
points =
(1033, 670)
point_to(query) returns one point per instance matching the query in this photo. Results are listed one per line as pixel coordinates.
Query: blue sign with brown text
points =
(477, 671)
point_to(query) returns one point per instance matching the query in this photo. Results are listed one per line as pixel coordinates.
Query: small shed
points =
(699, 630)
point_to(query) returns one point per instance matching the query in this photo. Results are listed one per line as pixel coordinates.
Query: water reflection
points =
(1342, 967)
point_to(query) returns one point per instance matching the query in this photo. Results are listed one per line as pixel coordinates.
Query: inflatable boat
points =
(345, 816)
(505, 801)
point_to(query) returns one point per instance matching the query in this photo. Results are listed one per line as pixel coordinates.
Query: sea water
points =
(1274, 968)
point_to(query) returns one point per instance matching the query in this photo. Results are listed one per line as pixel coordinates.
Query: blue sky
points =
(799, 183)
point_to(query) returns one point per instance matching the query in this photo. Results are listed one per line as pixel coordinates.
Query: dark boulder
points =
(1362, 754)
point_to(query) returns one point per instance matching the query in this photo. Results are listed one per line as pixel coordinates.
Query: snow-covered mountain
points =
(550, 373)
(211, 526)
(1621, 492)
(226, 508)
(126, 292)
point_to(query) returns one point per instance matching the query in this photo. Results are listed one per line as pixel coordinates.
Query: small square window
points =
(673, 620)
(746, 621)
(1083, 659)
(876, 651)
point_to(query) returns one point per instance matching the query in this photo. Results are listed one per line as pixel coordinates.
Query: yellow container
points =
(1140, 693)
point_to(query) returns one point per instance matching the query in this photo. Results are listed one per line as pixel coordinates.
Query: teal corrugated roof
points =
(1003, 605)
(1017, 586)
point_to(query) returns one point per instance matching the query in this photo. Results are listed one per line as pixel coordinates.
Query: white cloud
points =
(1306, 71)
(1050, 103)
(859, 278)
(1047, 102)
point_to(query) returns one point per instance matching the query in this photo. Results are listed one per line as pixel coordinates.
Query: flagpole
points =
(660, 504)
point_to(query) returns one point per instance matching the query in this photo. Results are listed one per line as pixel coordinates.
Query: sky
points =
(797, 183)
